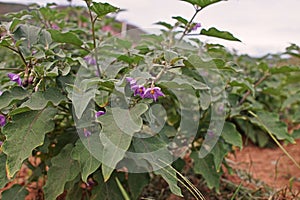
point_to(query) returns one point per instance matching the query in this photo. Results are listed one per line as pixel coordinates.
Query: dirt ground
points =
(255, 168)
(269, 165)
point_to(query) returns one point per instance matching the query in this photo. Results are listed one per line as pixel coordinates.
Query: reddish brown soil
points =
(269, 165)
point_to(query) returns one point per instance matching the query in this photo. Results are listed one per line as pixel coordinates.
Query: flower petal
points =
(2, 120)
(15, 78)
(86, 132)
(99, 113)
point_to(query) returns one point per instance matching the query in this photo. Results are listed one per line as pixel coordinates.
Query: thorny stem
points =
(94, 38)
(187, 27)
(255, 85)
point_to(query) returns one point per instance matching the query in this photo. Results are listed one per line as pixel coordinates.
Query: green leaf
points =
(14, 23)
(16, 192)
(271, 123)
(123, 43)
(262, 139)
(5, 42)
(116, 134)
(170, 55)
(105, 190)
(45, 38)
(263, 66)
(67, 37)
(136, 113)
(74, 190)
(115, 143)
(284, 69)
(296, 134)
(16, 93)
(31, 33)
(249, 129)
(205, 167)
(63, 169)
(202, 3)
(136, 183)
(25, 132)
(102, 9)
(195, 61)
(3, 178)
(165, 24)
(213, 32)
(295, 98)
(39, 100)
(79, 105)
(181, 19)
(219, 151)
(243, 84)
(185, 82)
(231, 135)
(169, 175)
(88, 163)
(53, 73)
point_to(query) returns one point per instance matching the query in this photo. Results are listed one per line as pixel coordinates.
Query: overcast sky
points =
(264, 26)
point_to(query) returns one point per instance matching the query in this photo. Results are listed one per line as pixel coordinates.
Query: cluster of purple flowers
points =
(150, 93)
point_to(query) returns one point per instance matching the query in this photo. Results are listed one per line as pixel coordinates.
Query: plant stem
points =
(10, 69)
(255, 85)
(187, 27)
(94, 38)
(160, 74)
(19, 53)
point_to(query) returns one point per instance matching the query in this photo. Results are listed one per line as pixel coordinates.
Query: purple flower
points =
(90, 183)
(15, 77)
(2, 120)
(131, 81)
(99, 113)
(34, 52)
(55, 27)
(153, 93)
(138, 90)
(1, 143)
(86, 132)
(90, 60)
(196, 26)
(1, 92)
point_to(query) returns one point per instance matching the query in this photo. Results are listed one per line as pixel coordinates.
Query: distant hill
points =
(14, 7)
(10, 7)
